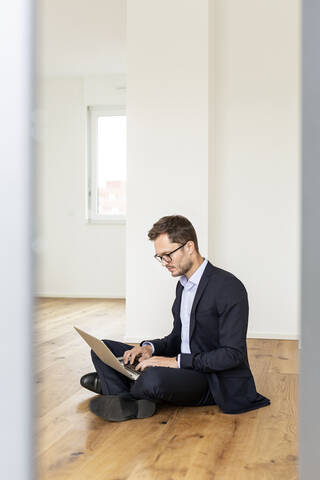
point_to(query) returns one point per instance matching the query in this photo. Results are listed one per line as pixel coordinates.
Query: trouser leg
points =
(112, 382)
(161, 384)
(173, 385)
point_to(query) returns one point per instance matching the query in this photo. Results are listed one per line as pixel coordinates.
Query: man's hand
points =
(142, 352)
(157, 362)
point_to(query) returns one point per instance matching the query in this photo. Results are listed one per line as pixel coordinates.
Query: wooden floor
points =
(192, 443)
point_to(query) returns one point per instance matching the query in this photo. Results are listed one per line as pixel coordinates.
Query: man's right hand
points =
(142, 353)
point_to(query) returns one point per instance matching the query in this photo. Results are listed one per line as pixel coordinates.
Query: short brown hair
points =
(178, 228)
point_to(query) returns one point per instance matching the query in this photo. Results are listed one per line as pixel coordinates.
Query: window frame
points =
(93, 112)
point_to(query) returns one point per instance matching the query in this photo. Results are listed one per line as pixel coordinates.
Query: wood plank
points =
(175, 443)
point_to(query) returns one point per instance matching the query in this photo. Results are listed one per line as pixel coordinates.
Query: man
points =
(203, 361)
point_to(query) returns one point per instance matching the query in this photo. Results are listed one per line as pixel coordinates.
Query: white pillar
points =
(167, 108)
(16, 53)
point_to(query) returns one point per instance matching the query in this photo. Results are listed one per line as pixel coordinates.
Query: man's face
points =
(181, 261)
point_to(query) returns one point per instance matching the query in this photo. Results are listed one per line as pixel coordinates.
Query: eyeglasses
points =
(167, 257)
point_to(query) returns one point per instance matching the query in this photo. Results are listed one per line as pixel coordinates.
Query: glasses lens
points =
(166, 258)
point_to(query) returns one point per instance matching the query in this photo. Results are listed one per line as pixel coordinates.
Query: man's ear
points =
(190, 245)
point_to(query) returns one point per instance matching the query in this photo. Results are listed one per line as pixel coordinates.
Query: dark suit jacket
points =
(218, 329)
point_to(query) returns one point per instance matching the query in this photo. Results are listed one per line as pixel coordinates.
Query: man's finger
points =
(127, 354)
(141, 365)
(132, 358)
(138, 367)
(144, 356)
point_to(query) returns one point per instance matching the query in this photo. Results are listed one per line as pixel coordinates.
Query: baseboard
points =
(267, 335)
(80, 295)
(275, 336)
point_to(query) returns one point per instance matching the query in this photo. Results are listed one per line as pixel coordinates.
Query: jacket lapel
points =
(201, 287)
(178, 297)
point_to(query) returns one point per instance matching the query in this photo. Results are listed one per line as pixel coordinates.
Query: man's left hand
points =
(155, 361)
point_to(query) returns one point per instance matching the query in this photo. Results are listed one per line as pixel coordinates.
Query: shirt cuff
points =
(178, 358)
(148, 343)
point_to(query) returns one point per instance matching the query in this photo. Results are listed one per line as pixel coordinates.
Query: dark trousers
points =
(177, 386)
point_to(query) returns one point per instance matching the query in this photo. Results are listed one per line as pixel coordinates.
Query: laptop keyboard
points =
(129, 367)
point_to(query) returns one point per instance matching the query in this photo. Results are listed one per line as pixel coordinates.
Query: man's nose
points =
(164, 262)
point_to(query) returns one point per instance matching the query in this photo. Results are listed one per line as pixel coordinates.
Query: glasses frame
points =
(160, 257)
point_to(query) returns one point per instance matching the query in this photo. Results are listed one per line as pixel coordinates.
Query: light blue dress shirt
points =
(187, 298)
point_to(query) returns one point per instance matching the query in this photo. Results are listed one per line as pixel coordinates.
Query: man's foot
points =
(117, 408)
(92, 382)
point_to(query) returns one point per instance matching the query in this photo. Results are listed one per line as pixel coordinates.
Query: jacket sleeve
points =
(169, 345)
(233, 310)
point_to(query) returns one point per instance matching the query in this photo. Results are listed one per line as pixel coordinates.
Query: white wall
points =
(251, 90)
(74, 258)
(255, 190)
(167, 106)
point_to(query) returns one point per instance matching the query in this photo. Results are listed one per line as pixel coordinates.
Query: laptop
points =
(106, 356)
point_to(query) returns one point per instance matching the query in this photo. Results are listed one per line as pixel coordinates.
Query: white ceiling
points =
(81, 37)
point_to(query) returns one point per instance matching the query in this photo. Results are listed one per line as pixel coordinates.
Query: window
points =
(107, 165)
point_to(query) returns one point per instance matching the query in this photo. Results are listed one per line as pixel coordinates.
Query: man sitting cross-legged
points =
(203, 361)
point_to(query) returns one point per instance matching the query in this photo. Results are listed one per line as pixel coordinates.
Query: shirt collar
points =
(195, 277)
